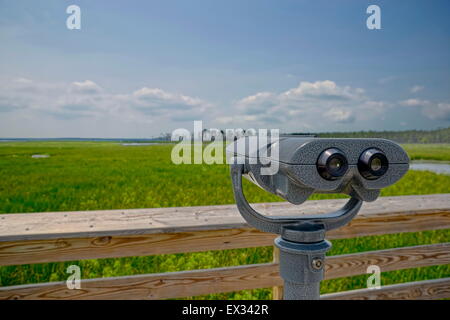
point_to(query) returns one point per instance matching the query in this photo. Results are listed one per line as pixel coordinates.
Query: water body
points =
(40, 156)
(435, 167)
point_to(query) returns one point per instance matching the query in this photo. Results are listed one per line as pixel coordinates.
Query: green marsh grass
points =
(100, 175)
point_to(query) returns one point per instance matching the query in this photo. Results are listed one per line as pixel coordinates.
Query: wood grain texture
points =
(199, 282)
(388, 260)
(65, 236)
(80, 224)
(154, 286)
(70, 249)
(277, 291)
(423, 290)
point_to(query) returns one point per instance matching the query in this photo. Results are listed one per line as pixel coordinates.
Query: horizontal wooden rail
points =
(199, 282)
(65, 236)
(388, 260)
(423, 290)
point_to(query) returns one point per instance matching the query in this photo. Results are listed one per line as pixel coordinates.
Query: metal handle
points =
(330, 221)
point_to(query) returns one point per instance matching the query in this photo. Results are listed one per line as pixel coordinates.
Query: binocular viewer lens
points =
(332, 164)
(372, 164)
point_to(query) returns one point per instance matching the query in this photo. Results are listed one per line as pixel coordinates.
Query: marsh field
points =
(73, 176)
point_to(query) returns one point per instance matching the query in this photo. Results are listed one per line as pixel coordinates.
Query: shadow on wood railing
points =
(67, 236)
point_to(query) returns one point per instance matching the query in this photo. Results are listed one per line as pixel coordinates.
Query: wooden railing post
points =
(277, 292)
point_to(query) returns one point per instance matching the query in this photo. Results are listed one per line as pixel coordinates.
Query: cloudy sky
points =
(140, 68)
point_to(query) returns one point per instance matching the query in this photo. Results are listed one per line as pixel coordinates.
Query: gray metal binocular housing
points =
(307, 165)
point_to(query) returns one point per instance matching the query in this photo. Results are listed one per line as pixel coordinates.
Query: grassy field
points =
(100, 175)
(436, 152)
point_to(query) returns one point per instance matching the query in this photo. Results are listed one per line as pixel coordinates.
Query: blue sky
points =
(139, 68)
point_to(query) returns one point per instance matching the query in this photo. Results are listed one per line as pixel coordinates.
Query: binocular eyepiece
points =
(332, 164)
(373, 164)
(301, 166)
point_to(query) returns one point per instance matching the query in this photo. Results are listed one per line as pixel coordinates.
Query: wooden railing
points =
(68, 236)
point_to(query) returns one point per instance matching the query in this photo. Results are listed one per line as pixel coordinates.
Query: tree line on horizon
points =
(441, 135)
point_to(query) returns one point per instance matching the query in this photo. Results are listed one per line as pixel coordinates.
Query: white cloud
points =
(256, 99)
(414, 103)
(387, 79)
(416, 88)
(321, 90)
(305, 104)
(22, 81)
(340, 115)
(172, 106)
(154, 97)
(257, 103)
(432, 110)
(87, 87)
(440, 111)
(310, 106)
(225, 120)
(81, 99)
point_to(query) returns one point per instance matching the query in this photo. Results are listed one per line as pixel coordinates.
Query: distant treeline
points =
(408, 136)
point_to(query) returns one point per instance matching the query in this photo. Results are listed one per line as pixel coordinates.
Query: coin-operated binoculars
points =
(296, 167)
